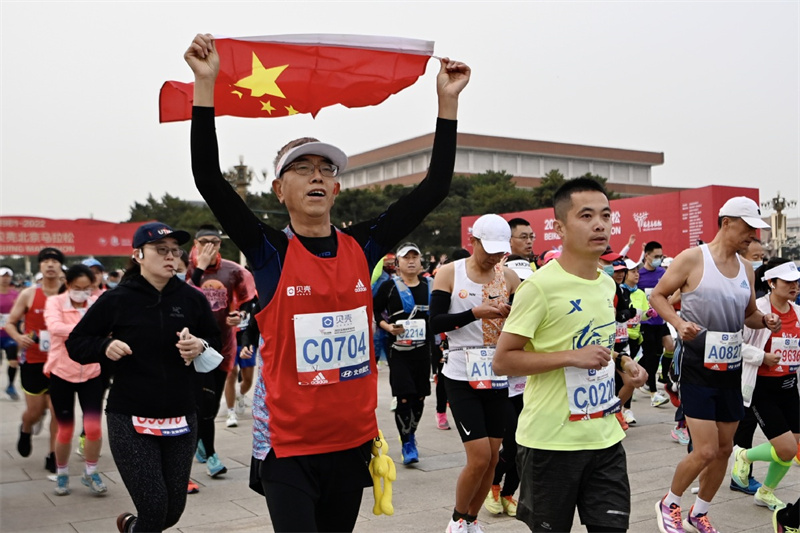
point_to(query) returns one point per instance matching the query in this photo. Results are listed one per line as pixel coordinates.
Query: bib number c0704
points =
(332, 347)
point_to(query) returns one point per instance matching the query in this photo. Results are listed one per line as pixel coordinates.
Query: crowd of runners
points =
(537, 356)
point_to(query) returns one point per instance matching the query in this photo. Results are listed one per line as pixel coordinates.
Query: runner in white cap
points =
(717, 302)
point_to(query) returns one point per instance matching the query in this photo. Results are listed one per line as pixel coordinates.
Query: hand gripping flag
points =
(281, 75)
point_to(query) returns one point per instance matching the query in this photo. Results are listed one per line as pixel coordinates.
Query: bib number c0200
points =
(332, 347)
(723, 351)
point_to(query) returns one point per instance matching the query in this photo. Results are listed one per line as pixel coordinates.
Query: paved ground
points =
(423, 495)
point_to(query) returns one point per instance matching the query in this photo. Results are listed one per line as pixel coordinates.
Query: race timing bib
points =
(635, 321)
(723, 351)
(413, 332)
(621, 334)
(44, 341)
(3, 319)
(591, 392)
(789, 350)
(332, 347)
(479, 369)
(161, 427)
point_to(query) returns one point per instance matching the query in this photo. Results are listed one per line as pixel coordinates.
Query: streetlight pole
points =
(778, 220)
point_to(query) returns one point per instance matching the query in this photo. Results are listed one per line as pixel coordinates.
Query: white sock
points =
(700, 507)
(231, 411)
(62, 470)
(91, 467)
(671, 498)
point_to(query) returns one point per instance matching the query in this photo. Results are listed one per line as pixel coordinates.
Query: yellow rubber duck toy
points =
(381, 467)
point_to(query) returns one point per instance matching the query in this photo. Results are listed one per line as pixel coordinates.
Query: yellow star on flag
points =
(262, 80)
(291, 110)
(237, 93)
(267, 106)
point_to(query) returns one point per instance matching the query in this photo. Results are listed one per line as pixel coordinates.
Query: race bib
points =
(635, 321)
(591, 392)
(161, 427)
(332, 347)
(621, 334)
(44, 341)
(789, 350)
(479, 369)
(3, 319)
(413, 331)
(723, 351)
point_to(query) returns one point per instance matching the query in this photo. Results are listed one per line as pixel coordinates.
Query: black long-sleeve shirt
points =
(265, 247)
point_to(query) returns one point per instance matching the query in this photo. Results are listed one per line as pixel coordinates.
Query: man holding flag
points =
(310, 455)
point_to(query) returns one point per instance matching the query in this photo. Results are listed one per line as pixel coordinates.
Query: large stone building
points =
(405, 163)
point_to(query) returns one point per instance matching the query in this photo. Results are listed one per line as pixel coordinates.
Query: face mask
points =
(181, 275)
(656, 263)
(757, 264)
(629, 287)
(78, 296)
(608, 269)
(112, 284)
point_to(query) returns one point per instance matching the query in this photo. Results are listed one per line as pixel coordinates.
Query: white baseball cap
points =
(494, 234)
(631, 264)
(746, 209)
(328, 151)
(786, 272)
(407, 247)
(521, 267)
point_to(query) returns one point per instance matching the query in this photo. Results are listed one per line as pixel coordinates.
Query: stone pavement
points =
(423, 494)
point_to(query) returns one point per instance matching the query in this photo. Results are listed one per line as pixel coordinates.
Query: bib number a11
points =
(479, 369)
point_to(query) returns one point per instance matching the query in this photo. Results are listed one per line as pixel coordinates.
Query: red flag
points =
(281, 75)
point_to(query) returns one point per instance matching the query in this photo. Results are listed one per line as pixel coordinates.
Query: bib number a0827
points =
(723, 351)
(332, 347)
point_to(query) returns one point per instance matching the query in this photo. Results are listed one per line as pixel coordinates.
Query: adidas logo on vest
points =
(360, 287)
(319, 379)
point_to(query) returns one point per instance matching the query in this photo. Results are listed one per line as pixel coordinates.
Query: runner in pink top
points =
(67, 378)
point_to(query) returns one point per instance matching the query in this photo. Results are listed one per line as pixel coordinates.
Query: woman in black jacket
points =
(148, 331)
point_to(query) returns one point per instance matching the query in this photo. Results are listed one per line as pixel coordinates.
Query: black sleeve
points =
(441, 320)
(381, 300)
(250, 334)
(403, 216)
(241, 225)
(197, 276)
(89, 338)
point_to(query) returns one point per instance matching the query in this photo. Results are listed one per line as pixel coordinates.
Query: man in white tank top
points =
(470, 300)
(717, 301)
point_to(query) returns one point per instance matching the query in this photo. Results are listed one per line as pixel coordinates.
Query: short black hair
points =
(562, 199)
(652, 245)
(514, 222)
(79, 270)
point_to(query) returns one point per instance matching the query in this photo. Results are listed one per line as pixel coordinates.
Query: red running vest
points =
(34, 323)
(311, 419)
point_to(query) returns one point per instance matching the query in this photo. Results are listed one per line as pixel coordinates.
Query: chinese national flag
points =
(277, 76)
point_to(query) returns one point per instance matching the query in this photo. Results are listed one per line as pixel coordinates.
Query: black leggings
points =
(507, 465)
(441, 393)
(155, 470)
(208, 395)
(337, 512)
(652, 348)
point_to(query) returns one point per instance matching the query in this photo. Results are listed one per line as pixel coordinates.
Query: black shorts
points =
(553, 483)
(318, 475)
(410, 372)
(10, 347)
(776, 405)
(710, 403)
(33, 380)
(477, 413)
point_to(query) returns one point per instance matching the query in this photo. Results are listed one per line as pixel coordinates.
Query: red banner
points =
(676, 220)
(84, 236)
(282, 75)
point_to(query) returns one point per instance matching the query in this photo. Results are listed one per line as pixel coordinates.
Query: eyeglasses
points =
(164, 250)
(306, 168)
(209, 241)
(526, 237)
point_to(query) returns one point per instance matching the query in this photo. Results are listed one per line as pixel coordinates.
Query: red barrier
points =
(84, 236)
(676, 220)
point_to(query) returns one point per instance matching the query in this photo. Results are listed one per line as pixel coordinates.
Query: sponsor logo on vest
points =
(463, 293)
(744, 284)
(319, 379)
(289, 291)
(360, 287)
(715, 367)
(481, 385)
